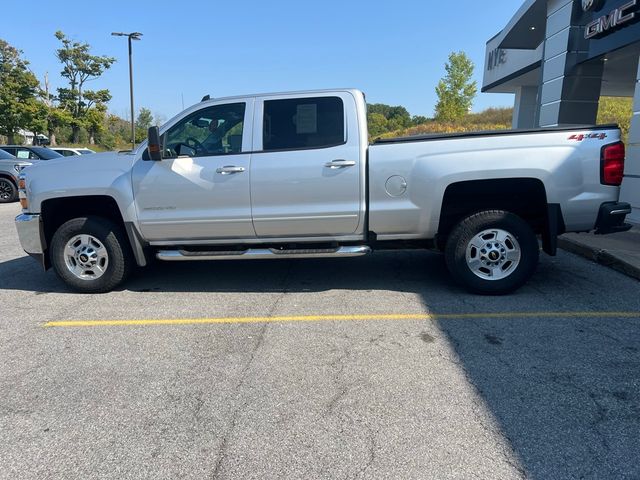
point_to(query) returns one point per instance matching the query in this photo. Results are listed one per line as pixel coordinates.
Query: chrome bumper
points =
(30, 233)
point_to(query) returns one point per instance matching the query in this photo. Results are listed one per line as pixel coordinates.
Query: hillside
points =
(490, 119)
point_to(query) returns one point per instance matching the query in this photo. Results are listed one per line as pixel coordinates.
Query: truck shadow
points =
(563, 390)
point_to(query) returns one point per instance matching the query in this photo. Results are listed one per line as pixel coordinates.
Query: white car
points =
(70, 152)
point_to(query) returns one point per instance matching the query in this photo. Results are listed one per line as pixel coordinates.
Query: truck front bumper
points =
(31, 235)
(611, 218)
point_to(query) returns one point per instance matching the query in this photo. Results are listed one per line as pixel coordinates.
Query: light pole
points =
(130, 37)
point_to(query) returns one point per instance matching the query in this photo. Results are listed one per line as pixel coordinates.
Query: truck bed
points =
(491, 133)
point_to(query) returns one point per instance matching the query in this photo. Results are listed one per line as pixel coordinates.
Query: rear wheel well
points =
(57, 211)
(525, 197)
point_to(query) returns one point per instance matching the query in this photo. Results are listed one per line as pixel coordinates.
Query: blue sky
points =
(393, 51)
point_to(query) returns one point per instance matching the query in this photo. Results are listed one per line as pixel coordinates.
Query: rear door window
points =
(303, 123)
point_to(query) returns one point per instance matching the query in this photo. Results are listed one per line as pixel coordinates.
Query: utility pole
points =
(130, 37)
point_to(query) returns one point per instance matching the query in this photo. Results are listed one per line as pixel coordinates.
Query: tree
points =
(143, 122)
(456, 91)
(398, 116)
(79, 67)
(56, 119)
(94, 122)
(377, 124)
(19, 107)
(418, 120)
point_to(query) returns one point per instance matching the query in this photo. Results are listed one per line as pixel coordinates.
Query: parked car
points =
(293, 176)
(10, 167)
(70, 152)
(29, 152)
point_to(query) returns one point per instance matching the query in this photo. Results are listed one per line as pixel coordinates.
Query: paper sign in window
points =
(307, 119)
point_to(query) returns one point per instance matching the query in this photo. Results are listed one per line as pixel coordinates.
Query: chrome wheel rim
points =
(493, 254)
(86, 257)
(5, 190)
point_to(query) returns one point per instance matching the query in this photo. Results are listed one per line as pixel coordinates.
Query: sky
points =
(394, 51)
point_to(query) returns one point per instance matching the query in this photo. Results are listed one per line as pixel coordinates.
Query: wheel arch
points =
(525, 197)
(56, 211)
(7, 176)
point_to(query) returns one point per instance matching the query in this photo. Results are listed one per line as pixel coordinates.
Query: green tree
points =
(143, 122)
(79, 67)
(56, 119)
(95, 122)
(456, 91)
(418, 120)
(377, 124)
(19, 107)
(398, 116)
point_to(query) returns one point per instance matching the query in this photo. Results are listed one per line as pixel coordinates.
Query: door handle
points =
(340, 164)
(229, 170)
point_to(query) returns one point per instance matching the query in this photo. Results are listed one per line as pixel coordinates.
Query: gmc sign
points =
(616, 18)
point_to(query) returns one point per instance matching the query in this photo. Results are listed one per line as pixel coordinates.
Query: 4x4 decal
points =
(587, 136)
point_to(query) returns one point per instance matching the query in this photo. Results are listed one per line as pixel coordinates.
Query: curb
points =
(599, 256)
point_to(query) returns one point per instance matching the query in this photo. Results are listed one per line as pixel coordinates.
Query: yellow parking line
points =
(324, 318)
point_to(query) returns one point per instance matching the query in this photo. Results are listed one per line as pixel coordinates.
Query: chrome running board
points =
(263, 253)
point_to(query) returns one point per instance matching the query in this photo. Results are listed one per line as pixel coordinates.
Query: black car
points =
(28, 152)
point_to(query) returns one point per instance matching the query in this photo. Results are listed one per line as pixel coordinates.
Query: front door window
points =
(211, 131)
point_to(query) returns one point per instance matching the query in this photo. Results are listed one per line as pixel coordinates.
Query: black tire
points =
(464, 233)
(120, 258)
(8, 191)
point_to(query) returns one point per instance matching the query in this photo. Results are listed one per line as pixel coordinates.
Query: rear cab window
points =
(303, 123)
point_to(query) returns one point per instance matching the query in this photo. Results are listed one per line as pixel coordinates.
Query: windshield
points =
(85, 151)
(6, 156)
(45, 153)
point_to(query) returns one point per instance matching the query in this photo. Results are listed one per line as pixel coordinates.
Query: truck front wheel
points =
(91, 254)
(492, 252)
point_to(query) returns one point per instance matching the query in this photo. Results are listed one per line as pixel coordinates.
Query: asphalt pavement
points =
(374, 367)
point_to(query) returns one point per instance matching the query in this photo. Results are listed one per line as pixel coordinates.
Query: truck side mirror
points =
(153, 145)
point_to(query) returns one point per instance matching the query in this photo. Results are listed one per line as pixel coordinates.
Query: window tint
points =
(211, 131)
(303, 123)
(44, 153)
(11, 151)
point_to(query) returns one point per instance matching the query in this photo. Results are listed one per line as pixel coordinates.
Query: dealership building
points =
(559, 57)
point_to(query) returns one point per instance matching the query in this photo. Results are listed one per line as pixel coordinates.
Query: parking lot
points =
(375, 367)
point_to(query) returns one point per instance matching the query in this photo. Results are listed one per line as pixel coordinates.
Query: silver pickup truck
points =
(293, 175)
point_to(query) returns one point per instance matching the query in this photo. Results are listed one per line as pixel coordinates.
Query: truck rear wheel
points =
(492, 252)
(91, 254)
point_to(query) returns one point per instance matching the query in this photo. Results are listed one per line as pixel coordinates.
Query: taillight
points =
(612, 164)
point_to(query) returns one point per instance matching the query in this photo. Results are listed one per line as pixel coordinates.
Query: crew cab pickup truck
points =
(293, 175)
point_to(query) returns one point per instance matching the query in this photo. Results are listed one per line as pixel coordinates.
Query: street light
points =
(130, 36)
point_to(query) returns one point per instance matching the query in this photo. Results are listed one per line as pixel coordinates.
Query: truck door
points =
(306, 166)
(200, 189)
